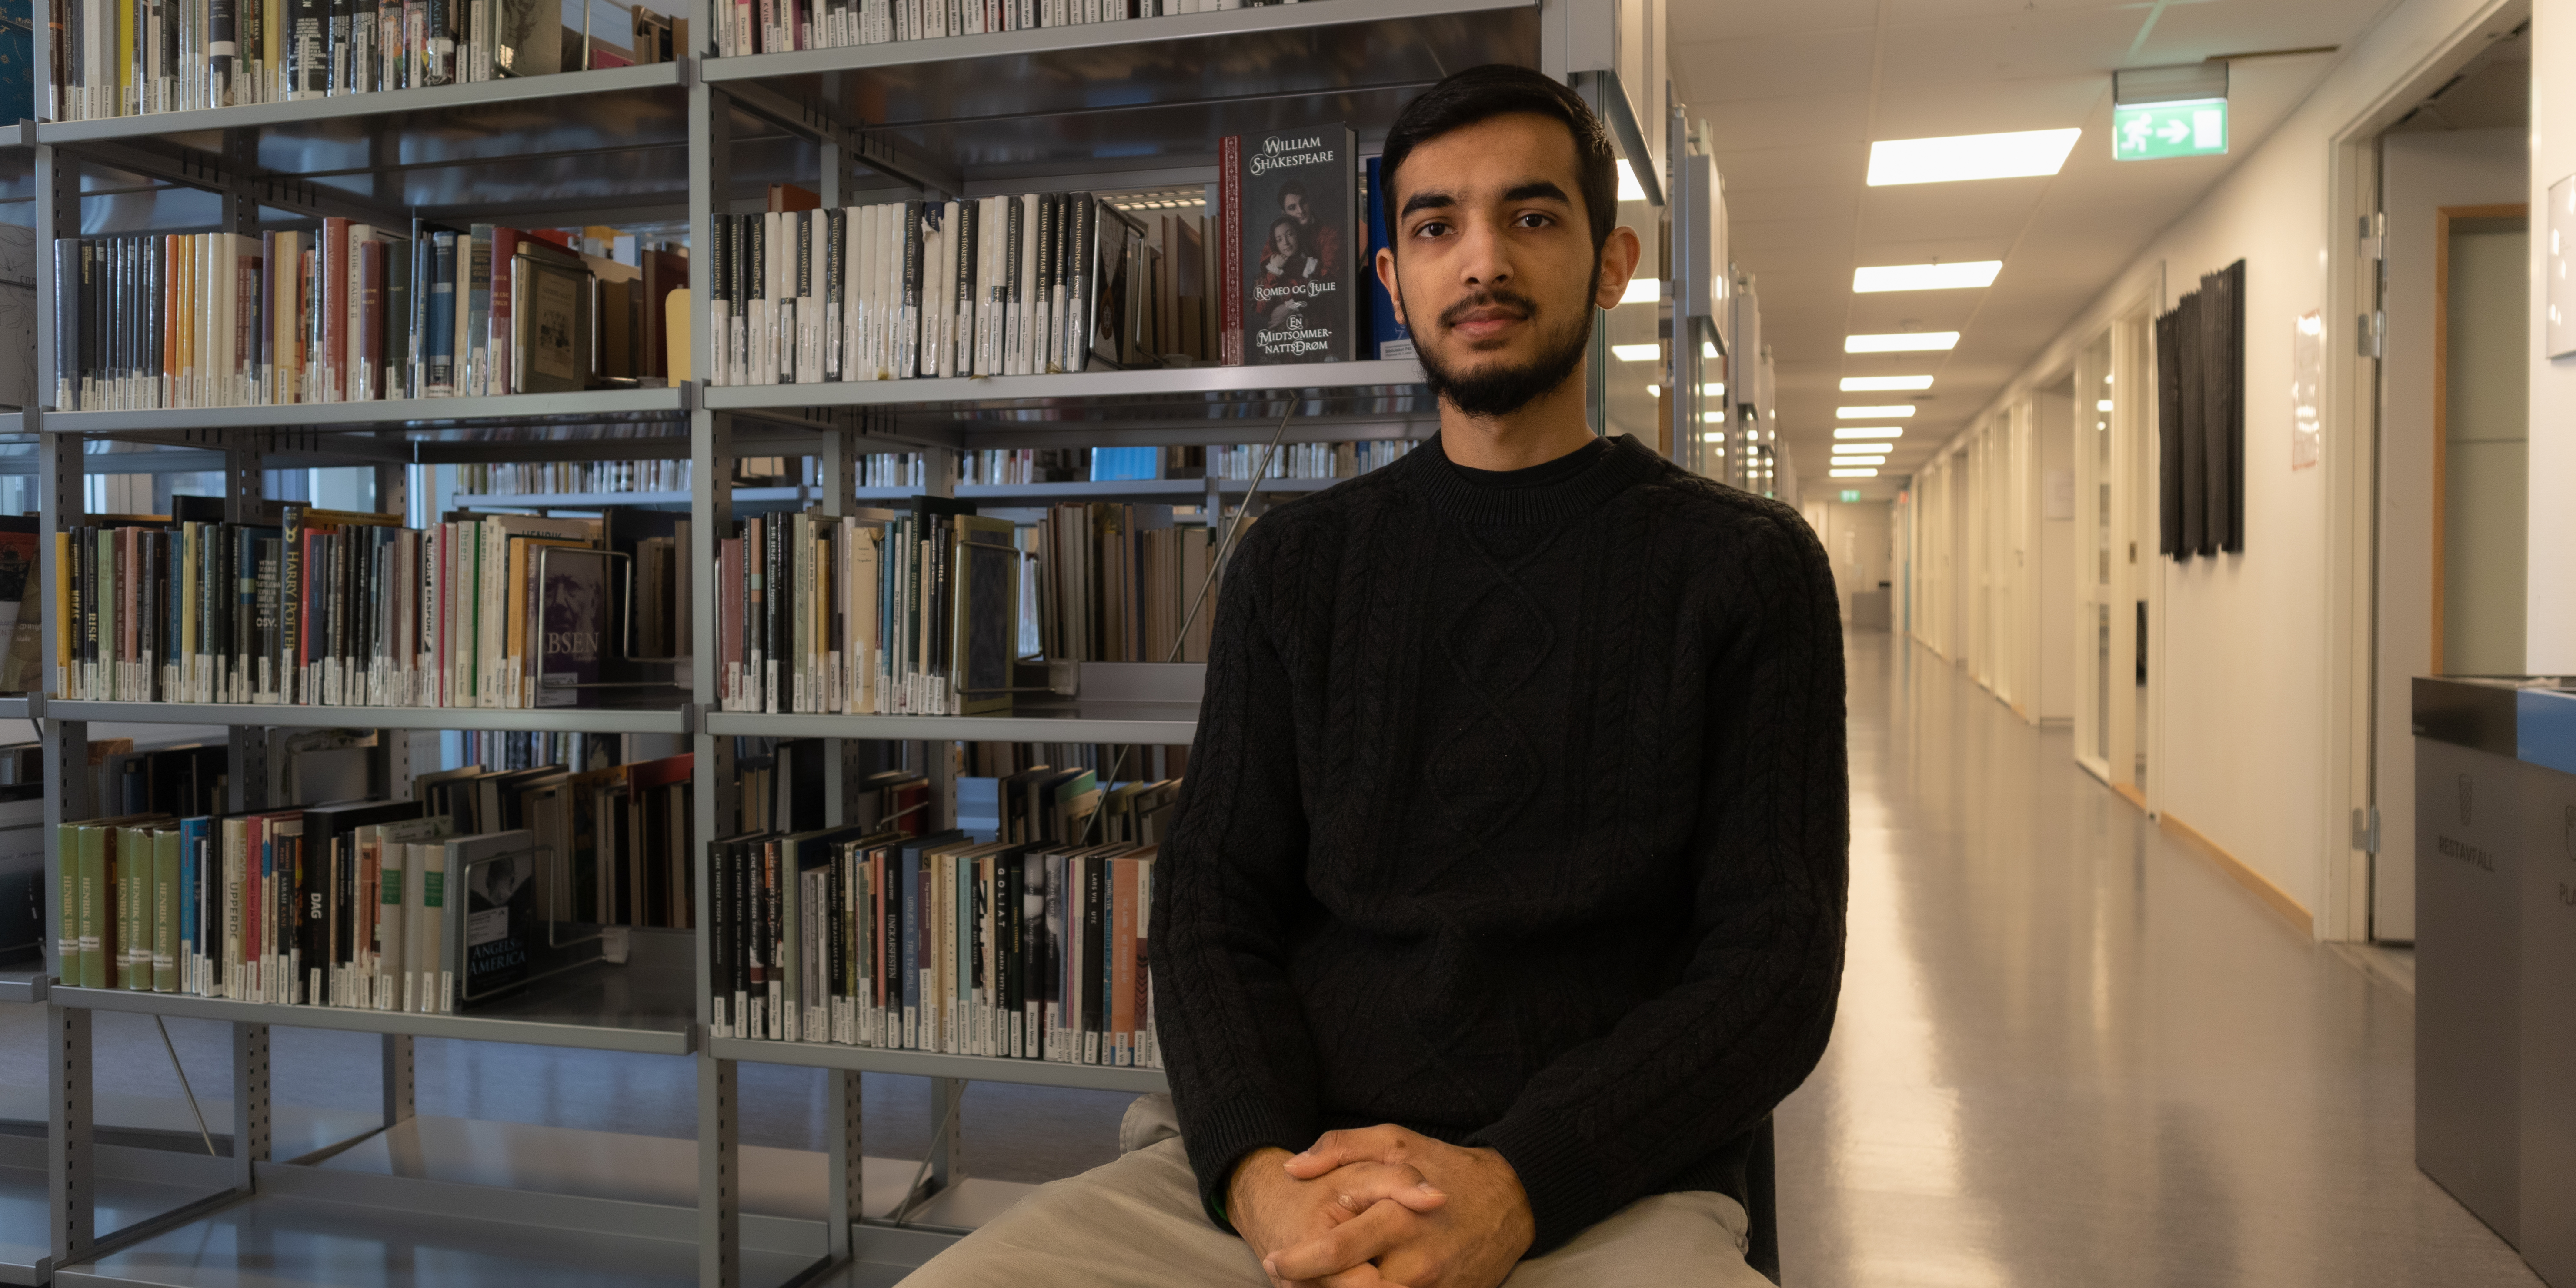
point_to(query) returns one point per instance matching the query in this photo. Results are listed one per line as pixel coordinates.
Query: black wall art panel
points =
(2200, 418)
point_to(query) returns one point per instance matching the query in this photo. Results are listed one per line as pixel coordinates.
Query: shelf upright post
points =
(947, 1095)
(248, 771)
(250, 1103)
(393, 749)
(70, 1153)
(711, 514)
(70, 1156)
(841, 1094)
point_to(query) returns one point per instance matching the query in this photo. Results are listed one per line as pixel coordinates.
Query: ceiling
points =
(1794, 94)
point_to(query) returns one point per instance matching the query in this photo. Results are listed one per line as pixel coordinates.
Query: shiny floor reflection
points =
(2072, 1052)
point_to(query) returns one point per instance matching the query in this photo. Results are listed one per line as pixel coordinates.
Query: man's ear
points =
(1386, 278)
(1619, 256)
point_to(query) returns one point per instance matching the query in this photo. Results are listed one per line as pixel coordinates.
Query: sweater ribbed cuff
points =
(1218, 1137)
(1557, 1169)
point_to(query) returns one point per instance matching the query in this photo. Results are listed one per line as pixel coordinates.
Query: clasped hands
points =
(1381, 1207)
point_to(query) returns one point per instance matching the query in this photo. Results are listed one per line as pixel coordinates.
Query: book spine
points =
(1229, 170)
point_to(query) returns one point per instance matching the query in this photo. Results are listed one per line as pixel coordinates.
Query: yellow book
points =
(127, 102)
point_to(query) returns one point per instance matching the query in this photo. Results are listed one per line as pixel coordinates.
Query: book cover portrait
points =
(1299, 246)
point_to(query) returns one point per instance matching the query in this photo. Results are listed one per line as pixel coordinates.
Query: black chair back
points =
(1762, 1207)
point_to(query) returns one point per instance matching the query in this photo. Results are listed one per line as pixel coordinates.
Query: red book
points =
(1229, 190)
(335, 310)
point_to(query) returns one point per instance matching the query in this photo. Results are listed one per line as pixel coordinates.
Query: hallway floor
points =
(2072, 1051)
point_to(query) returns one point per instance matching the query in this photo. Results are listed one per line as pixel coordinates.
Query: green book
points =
(165, 910)
(95, 906)
(130, 857)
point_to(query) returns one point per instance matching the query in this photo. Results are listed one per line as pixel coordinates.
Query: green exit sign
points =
(2152, 131)
(1851, 494)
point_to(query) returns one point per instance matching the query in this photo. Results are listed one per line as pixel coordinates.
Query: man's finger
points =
(1381, 1144)
(1362, 1238)
(1359, 1186)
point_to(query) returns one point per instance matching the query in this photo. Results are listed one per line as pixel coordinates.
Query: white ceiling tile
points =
(2188, 33)
(1737, 19)
(2026, 45)
(1805, 166)
(1824, 62)
(1803, 120)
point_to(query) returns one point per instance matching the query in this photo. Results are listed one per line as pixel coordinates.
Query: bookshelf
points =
(962, 117)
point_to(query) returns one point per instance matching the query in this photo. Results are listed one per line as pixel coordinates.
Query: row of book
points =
(1030, 946)
(348, 609)
(1117, 582)
(352, 312)
(134, 57)
(880, 611)
(428, 905)
(775, 26)
(1305, 460)
(522, 478)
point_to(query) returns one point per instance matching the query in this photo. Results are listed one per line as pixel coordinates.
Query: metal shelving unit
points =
(960, 117)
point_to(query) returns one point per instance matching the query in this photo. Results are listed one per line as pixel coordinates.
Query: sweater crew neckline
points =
(1503, 501)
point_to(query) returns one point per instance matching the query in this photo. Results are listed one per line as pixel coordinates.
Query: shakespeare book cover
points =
(1301, 250)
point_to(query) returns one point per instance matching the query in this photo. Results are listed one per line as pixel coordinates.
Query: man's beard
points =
(1501, 390)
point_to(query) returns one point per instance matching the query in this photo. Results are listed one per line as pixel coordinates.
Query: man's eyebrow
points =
(1537, 188)
(1426, 201)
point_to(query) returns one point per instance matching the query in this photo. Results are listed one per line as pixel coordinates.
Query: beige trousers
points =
(1136, 1223)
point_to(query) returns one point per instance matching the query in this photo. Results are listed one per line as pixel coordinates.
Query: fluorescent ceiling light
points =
(1707, 350)
(1713, 417)
(1654, 391)
(1860, 460)
(1852, 474)
(1641, 290)
(1848, 449)
(1631, 190)
(1887, 412)
(1969, 156)
(1964, 275)
(2103, 405)
(1870, 431)
(1875, 384)
(1901, 342)
(1713, 390)
(1638, 352)
(1712, 438)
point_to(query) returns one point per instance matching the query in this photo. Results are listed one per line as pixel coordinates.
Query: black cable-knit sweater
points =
(1518, 817)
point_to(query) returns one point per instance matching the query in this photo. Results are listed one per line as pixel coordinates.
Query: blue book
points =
(1125, 464)
(192, 875)
(17, 60)
(1385, 337)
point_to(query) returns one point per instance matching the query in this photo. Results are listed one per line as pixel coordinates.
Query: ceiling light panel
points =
(1870, 431)
(1884, 384)
(1964, 275)
(1890, 411)
(1902, 342)
(1853, 474)
(1848, 449)
(1638, 352)
(1960, 157)
(1860, 460)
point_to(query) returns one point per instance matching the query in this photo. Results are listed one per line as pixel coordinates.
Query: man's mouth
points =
(1484, 321)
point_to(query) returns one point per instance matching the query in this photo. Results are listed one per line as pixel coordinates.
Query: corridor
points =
(2072, 1051)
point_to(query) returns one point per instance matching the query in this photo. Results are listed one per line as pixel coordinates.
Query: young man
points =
(1506, 897)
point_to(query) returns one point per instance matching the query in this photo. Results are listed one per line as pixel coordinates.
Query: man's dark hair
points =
(1499, 89)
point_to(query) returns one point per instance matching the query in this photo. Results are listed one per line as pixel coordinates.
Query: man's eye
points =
(1532, 219)
(1431, 228)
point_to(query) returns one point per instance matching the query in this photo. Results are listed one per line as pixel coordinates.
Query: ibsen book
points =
(1291, 205)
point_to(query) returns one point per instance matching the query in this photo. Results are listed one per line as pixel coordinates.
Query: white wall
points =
(2054, 552)
(2243, 726)
(2421, 173)
(2549, 615)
